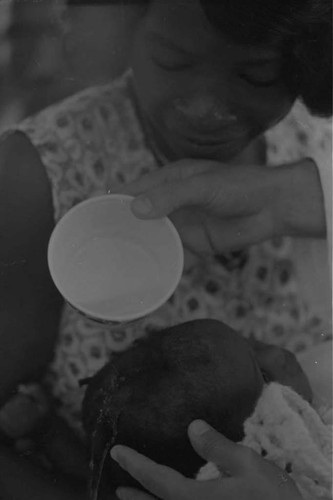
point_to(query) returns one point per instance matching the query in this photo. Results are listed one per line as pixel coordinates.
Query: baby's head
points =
(147, 396)
(211, 75)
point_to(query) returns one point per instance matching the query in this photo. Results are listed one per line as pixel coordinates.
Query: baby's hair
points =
(300, 29)
(146, 396)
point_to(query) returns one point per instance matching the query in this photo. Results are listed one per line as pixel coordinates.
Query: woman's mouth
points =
(222, 136)
(209, 141)
(179, 142)
(222, 140)
(222, 148)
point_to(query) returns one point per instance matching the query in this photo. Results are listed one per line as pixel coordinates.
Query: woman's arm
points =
(218, 207)
(21, 480)
(299, 205)
(29, 315)
(29, 303)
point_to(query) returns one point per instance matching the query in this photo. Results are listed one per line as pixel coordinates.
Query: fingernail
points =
(142, 205)
(121, 494)
(199, 427)
(114, 453)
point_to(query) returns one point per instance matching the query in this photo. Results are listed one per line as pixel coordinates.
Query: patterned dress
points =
(93, 142)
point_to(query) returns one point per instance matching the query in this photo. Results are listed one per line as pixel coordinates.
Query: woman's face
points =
(204, 96)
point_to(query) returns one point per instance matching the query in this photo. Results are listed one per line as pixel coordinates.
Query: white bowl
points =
(112, 266)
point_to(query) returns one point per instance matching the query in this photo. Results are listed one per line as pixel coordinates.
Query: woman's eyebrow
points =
(257, 56)
(253, 57)
(166, 42)
(257, 62)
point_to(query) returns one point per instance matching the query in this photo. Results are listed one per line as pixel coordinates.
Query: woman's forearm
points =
(299, 204)
(21, 480)
(25, 345)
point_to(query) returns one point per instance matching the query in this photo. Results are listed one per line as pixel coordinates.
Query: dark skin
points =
(145, 397)
(69, 457)
(206, 100)
(203, 95)
(248, 477)
(30, 304)
(21, 479)
(26, 222)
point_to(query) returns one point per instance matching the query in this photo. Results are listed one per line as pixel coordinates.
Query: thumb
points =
(171, 196)
(214, 447)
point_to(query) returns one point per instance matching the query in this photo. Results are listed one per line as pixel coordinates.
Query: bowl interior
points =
(111, 265)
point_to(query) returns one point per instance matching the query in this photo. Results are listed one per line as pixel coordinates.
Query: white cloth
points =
(294, 436)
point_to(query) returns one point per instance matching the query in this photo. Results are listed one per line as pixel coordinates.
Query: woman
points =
(206, 83)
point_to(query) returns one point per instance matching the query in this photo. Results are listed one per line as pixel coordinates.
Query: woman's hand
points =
(218, 207)
(21, 479)
(246, 476)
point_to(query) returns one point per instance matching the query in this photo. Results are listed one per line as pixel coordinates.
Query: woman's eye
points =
(171, 65)
(257, 81)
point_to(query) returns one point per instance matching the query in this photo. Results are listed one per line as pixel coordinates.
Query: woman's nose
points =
(205, 111)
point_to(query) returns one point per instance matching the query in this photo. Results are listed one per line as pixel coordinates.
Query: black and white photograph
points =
(166, 250)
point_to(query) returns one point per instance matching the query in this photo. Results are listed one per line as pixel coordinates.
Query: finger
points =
(236, 233)
(169, 197)
(204, 190)
(203, 233)
(132, 494)
(231, 458)
(161, 481)
(173, 172)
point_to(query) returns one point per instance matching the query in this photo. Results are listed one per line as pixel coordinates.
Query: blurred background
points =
(50, 49)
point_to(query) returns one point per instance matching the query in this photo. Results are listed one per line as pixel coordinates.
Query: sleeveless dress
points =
(93, 142)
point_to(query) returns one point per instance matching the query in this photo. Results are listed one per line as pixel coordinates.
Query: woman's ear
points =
(313, 60)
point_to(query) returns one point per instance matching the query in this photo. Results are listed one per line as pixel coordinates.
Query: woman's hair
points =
(300, 29)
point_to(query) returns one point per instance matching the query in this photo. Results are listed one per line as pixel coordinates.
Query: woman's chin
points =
(224, 152)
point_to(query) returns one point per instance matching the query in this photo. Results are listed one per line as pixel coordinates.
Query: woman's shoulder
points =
(88, 142)
(298, 135)
(103, 102)
(26, 211)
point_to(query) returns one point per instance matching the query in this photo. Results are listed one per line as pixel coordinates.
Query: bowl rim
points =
(120, 318)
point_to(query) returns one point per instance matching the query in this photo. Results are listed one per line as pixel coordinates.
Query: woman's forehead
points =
(183, 25)
(182, 20)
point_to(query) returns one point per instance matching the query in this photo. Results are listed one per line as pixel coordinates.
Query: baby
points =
(148, 395)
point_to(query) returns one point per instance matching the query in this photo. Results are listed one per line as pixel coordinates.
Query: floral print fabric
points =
(94, 142)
